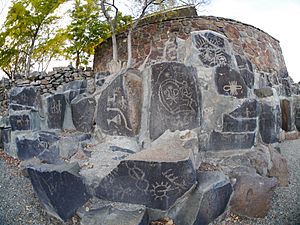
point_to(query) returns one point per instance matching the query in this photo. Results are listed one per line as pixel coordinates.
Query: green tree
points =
(88, 29)
(28, 29)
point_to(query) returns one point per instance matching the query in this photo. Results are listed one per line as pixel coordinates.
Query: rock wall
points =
(196, 126)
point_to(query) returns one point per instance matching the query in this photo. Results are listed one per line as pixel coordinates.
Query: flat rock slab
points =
(211, 47)
(297, 118)
(109, 215)
(56, 111)
(227, 141)
(175, 100)
(119, 106)
(230, 82)
(231, 124)
(249, 109)
(252, 195)
(24, 98)
(59, 188)
(246, 70)
(154, 184)
(28, 148)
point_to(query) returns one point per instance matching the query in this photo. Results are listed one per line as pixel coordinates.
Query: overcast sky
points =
(279, 18)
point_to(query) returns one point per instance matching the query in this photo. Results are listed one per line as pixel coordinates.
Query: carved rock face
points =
(175, 100)
(211, 49)
(21, 98)
(56, 111)
(229, 82)
(155, 177)
(119, 106)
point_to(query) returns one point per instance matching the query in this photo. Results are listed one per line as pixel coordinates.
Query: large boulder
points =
(252, 195)
(59, 188)
(154, 177)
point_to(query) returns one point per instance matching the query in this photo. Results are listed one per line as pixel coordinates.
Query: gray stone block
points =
(119, 106)
(83, 109)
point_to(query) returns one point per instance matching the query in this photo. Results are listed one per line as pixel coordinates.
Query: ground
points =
(20, 206)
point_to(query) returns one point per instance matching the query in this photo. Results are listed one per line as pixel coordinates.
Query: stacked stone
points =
(4, 87)
(49, 82)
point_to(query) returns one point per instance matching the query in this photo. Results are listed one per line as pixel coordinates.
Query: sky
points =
(278, 18)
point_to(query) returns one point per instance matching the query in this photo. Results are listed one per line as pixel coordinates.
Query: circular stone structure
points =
(158, 36)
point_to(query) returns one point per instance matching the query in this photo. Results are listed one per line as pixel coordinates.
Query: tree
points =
(27, 24)
(110, 10)
(87, 30)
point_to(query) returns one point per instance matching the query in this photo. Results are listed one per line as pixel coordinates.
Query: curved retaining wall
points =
(163, 34)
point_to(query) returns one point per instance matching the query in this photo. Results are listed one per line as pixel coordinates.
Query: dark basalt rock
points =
(175, 100)
(20, 122)
(43, 147)
(227, 141)
(154, 184)
(249, 109)
(215, 198)
(109, 215)
(231, 124)
(83, 109)
(74, 88)
(119, 106)
(211, 49)
(56, 111)
(269, 123)
(24, 98)
(207, 201)
(286, 124)
(59, 188)
(246, 70)
(229, 82)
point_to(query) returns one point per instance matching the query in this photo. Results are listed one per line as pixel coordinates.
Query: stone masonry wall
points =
(163, 35)
(44, 82)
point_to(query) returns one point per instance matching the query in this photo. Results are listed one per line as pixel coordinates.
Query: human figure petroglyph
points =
(176, 96)
(137, 174)
(56, 107)
(232, 88)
